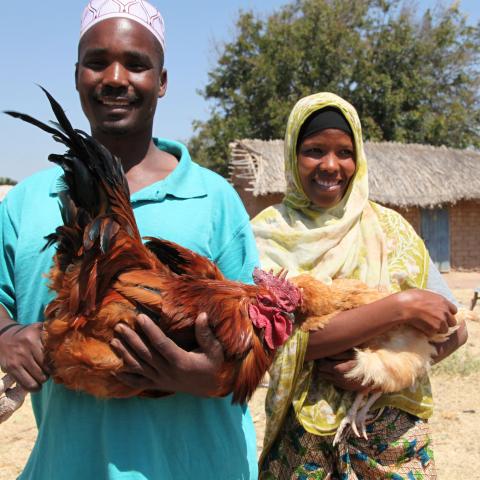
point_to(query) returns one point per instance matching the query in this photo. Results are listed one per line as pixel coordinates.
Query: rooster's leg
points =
(363, 413)
(13, 397)
(350, 419)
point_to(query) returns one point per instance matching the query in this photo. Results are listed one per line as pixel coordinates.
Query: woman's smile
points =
(326, 184)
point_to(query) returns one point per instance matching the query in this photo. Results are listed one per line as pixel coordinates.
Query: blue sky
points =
(38, 41)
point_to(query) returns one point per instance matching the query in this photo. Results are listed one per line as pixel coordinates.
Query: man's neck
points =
(132, 150)
(142, 162)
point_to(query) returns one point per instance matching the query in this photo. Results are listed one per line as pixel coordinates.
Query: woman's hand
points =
(426, 311)
(155, 362)
(453, 342)
(22, 355)
(334, 369)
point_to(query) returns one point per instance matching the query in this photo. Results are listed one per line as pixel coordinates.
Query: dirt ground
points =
(455, 424)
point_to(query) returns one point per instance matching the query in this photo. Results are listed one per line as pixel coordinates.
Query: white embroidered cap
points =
(137, 10)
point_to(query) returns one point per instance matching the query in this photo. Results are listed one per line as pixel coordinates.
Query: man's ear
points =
(76, 76)
(162, 89)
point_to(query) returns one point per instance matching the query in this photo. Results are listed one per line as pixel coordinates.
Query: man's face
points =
(119, 77)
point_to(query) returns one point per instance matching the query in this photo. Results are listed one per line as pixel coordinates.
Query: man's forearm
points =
(6, 321)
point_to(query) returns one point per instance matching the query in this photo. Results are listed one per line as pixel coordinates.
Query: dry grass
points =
(461, 363)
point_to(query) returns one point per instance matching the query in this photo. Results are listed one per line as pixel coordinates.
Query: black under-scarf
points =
(329, 117)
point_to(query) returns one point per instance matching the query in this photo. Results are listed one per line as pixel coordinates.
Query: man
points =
(119, 77)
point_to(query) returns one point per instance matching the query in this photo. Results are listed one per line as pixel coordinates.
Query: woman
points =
(327, 227)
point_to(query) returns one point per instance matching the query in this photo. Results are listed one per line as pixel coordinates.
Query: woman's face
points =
(326, 163)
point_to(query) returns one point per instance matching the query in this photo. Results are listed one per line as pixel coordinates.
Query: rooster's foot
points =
(11, 399)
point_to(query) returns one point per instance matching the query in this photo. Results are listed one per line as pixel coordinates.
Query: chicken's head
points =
(277, 301)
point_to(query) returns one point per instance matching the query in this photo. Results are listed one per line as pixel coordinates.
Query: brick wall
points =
(412, 215)
(465, 235)
(464, 226)
(464, 219)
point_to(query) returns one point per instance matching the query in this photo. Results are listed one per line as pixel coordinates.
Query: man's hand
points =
(155, 362)
(334, 369)
(22, 355)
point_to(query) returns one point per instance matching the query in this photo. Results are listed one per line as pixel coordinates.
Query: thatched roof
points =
(4, 190)
(403, 175)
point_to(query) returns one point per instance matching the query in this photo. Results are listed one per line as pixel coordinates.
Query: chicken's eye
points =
(267, 302)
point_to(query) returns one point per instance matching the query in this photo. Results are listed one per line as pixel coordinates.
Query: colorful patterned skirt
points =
(399, 448)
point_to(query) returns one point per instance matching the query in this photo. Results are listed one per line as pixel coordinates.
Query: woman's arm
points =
(336, 366)
(437, 284)
(427, 311)
(455, 341)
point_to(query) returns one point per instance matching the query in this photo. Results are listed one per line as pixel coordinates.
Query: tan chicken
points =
(389, 363)
(104, 274)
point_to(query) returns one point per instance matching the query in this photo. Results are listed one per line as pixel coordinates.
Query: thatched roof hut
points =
(4, 189)
(437, 189)
(403, 175)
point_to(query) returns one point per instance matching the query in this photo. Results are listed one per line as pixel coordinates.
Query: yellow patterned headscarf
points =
(343, 241)
(354, 239)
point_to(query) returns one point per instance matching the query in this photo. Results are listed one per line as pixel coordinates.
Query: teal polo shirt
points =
(178, 437)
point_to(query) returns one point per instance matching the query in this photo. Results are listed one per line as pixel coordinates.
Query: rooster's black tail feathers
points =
(93, 176)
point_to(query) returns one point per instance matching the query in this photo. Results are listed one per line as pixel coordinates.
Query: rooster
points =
(104, 274)
(388, 363)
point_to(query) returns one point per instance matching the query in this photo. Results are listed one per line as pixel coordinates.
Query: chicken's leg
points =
(350, 418)
(363, 414)
(13, 397)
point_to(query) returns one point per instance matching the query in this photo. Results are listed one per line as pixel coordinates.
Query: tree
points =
(7, 181)
(411, 79)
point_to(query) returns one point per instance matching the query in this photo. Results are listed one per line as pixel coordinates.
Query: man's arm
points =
(21, 350)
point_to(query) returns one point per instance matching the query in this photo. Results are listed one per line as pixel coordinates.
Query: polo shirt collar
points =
(185, 181)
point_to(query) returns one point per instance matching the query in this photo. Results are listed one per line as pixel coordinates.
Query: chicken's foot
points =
(11, 398)
(350, 419)
(362, 415)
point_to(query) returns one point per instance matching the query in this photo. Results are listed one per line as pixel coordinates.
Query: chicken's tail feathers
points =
(462, 315)
(394, 367)
(56, 134)
(63, 122)
(95, 206)
(443, 337)
(93, 177)
(183, 261)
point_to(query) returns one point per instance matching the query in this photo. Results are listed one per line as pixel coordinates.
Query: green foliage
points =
(411, 79)
(7, 181)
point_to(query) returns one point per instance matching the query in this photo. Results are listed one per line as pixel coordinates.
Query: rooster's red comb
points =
(288, 296)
